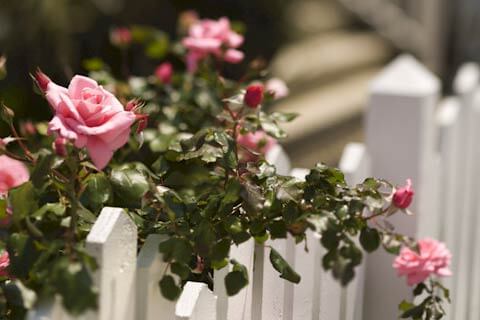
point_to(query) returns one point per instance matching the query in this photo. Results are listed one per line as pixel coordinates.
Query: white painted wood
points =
(399, 138)
(355, 165)
(238, 307)
(449, 139)
(272, 296)
(196, 302)
(150, 304)
(113, 243)
(53, 310)
(277, 156)
(466, 84)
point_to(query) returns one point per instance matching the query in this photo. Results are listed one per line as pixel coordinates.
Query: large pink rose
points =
(433, 258)
(88, 115)
(254, 144)
(12, 174)
(213, 37)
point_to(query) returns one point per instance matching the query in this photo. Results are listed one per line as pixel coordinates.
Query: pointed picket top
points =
(196, 302)
(405, 76)
(467, 78)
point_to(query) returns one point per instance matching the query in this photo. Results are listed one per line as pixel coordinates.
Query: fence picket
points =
(400, 137)
(355, 165)
(196, 302)
(150, 304)
(466, 85)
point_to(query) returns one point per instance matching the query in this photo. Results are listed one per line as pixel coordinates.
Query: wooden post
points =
(113, 243)
(399, 136)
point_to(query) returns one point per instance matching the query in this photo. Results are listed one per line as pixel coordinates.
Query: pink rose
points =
(277, 88)
(90, 116)
(254, 144)
(4, 263)
(433, 258)
(12, 174)
(164, 72)
(402, 198)
(121, 37)
(212, 37)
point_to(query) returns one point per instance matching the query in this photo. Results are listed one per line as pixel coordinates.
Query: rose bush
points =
(195, 172)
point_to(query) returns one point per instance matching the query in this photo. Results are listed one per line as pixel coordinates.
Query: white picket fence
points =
(410, 133)
(128, 284)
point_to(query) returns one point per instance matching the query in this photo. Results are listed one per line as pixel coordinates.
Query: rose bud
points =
(254, 96)
(402, 198)
(121, 37)
(59, 145)
(42, 80)
(164, 72)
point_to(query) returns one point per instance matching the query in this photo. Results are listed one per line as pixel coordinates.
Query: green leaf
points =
(177, 249)
(157, 48)
(419, 289)
(93, 64)
(98, 192)
(19, 295)
(283, 116)
(180, 269)
(369, 239)
(72, 280)
(57, 209)
(235, 281)
(129, 185)
(42, 168)
(279, 264)
(169, 288)
(220, 250)
(23, 200)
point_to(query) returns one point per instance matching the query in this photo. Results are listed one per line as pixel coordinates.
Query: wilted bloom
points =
(253, 96)
(277, 88)
(433, 258)
(121, 37)
(254, 144)
(12, 174)
(4, 263)
(90, 116)
(402, 198)
(212, 37)
(164, 72)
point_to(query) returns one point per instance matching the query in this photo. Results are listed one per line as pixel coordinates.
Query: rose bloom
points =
(4, 263)
(277, 88)
(212, 37)
(402, 198)
(12, 174)
(164, 72)
(433, 258)
(258, 142)
(90, 116)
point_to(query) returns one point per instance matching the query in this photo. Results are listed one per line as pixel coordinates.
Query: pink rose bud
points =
(402, 198)
(164, 72)
(133, 105)
(254, 95)
(59, 145)
(90, 117)
(121, 37)
(4, 263)
(42, 80)
(27, 128)
(433, 258)
(12, 174)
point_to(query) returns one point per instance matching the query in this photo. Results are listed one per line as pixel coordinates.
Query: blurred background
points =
(326, 50)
